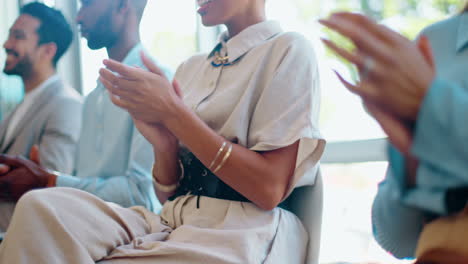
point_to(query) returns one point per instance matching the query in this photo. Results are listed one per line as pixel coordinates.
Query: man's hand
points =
(23, 175)
(34, 155)
(4, 169)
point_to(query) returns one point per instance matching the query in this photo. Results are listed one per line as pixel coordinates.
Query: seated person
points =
(113, 160)
(47, 122)
(242, 136)
(50, 114)
(424, 117)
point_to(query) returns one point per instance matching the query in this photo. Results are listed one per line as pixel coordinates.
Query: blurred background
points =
(355, 160)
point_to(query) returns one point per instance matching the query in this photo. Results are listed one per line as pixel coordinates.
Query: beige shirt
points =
(265, 97)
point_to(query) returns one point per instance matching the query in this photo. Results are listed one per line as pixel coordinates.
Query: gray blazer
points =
(53, 123)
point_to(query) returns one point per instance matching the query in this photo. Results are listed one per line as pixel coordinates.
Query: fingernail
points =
(322, 21)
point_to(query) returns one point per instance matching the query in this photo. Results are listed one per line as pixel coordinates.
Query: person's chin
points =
(10, 70)
(94, 45)
(209, 22)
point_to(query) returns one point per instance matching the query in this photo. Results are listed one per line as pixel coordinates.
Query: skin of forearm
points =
(262, 178)
(167, 170)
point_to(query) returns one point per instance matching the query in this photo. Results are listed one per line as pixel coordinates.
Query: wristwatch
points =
(52, 178)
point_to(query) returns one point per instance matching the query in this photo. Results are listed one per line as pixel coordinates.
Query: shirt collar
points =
(133, 56)
(132, 59)
(36, 91)
(247, 39)
(462, 36)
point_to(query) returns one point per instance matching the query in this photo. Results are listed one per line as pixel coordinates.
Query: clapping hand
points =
(20, 175)
(146, 94)
(395, 73)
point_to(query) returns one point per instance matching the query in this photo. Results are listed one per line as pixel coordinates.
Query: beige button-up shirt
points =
(265, 96)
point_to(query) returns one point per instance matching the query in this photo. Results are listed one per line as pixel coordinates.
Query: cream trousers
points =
(6, 211)
(63, 225)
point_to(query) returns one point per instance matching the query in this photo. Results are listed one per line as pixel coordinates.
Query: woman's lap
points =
(219, 231)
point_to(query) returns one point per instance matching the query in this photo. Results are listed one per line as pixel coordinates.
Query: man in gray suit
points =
(47, 123)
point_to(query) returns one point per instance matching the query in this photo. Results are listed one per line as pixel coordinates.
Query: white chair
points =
(307, 203)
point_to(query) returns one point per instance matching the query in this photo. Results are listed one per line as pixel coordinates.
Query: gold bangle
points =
(165, 188)
(217, 155)
(171, 187)
(226, 156)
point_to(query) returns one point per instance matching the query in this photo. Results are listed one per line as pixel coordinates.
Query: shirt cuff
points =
(64, 180)
(423, 196)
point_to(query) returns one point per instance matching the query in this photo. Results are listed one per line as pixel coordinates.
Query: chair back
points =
(307, 203)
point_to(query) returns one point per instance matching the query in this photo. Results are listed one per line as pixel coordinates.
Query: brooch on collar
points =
(220, 60)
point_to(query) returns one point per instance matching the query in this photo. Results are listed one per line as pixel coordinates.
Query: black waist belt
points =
(199, 180)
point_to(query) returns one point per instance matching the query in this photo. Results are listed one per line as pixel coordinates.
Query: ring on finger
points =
(367, 67)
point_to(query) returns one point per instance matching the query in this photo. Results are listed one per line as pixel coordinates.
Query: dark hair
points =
(54, 27)
(465, 9)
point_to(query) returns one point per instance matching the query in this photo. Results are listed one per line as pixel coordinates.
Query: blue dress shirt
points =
(114, 160)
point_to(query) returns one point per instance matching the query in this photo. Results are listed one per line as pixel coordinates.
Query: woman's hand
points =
(157, 135)
(392, 85)
(147, 95)
(396, 73)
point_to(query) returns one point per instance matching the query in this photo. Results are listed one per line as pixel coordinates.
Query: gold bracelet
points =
(217, 155)
(226, 156)
(171, 187)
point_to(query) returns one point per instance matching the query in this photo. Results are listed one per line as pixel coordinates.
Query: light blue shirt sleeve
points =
(396, 226)
(439, 144)
(441, 134)
(398, 212)
(133, 188)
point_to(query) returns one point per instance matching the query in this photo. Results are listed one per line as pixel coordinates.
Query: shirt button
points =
(211, 83)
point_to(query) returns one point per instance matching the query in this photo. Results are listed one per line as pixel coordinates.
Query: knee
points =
(34, 200)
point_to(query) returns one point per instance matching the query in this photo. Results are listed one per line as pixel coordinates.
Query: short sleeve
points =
(288, 108)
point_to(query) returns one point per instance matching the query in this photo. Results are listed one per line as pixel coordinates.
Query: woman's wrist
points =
(173, 185)
(184, 121)
(166, 144)
(175, 115)
(166, 162)
(169, 149)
